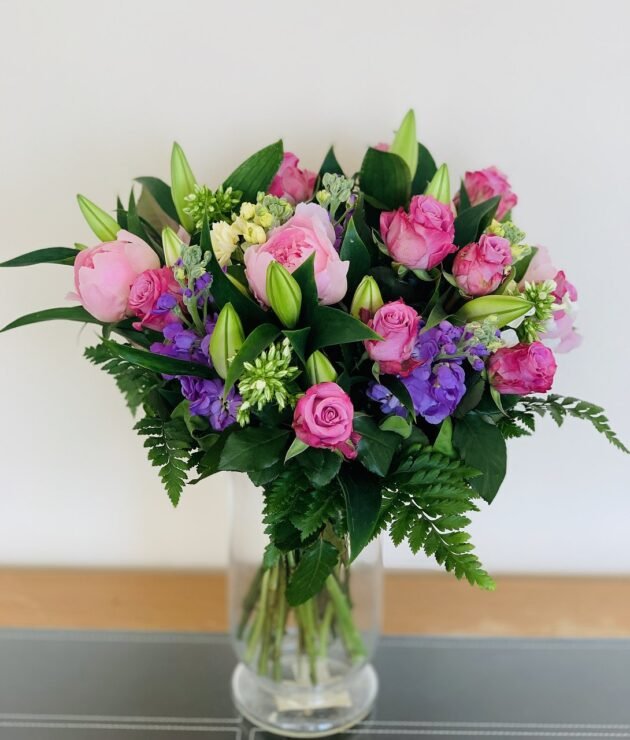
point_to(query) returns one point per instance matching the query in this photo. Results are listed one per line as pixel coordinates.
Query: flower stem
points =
(350, 633)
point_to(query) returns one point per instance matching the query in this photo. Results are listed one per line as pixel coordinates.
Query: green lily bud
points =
(173, 246)
(319, 369)
(405, 143)
(227, 338)
(503, 309)
(238, 285)
(367, 297)
(182, 184)
(440, 186)
(102, 224)
(284, 294)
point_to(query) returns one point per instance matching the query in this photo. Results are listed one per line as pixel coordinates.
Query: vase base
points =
(297, 709)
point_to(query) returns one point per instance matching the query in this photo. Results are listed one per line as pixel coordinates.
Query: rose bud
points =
(485, 184)
(367, 299)
(284, 294)
(319, 369)
(479, 267)
(440, 186)
(226, 340)
(525, 368)
(397, 324)
(182, 184)
(102, 224)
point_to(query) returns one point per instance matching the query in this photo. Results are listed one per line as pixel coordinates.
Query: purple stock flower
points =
(386, 399)
(206, 399)
(436, 390)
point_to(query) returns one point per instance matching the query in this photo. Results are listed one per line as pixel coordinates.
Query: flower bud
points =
(284, 294)
(173, 246)
(226, 340)
(182, 185)
(440, 186)
(319, 369)
(367, 298)
(102, 224)
(502, 308)
(405, 144)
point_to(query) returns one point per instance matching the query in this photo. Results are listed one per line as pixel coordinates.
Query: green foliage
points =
(135, 383)
(161, 193)
(424, 172)
(317, 562)
(304, 276)
(426, 502)
(332, 327)
(157, 363)
(385, 180)
(330, 165)
(471, 222)
(256, 173)
(49, 255)
(169, 445)
(254, 344)
(482, 446)
(254, 448)
(362, 493)
(376, 447)
(354, 250)
(66, 313)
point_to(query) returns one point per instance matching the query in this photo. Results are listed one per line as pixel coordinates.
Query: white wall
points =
(92, 94)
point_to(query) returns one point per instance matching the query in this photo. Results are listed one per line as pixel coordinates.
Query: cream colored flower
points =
(251, 232)
(224, 239)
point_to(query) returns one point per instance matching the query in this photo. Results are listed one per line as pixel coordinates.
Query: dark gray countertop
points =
(141, 686)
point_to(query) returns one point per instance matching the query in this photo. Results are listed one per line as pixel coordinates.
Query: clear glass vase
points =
(303, 671)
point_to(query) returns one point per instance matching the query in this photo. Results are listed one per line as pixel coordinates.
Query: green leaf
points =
(330, 164)
(158, 363)
(425, 171)
(385, 180)
(211, 446)
(317, 562)
(299, 341)
(304, 276)
(362, 494)
(482, 446)
(49, 255)
(376, 448)
(254, 344)
(399, 389)
(196, 425)
(396, 424)
(464, 200)
(257, 172)
(297, 448)
(444, 441)
(472, 397)
(470, 223)
(354, 250)
(320, 466)
(331, 327)
(161, 192)
(253, 448)
(73, 313)
(520, 268)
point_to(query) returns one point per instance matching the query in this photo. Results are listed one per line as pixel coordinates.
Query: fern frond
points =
(169, 444)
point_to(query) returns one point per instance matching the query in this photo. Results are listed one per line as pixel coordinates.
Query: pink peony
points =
(421, 238)
(308, 232)
(292, 183)
(561, 335)
(104, 274)
(485, 184)
(398, 324)
(479, 267)
(522, 369)
(323, 418)
(153, 296)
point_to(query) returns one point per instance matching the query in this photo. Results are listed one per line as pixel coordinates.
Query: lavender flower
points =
(436, 390)
(206, 399)
(386, 399)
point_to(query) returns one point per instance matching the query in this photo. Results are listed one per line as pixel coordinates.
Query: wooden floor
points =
(414, 603)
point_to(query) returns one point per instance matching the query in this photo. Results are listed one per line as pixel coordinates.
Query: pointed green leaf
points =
(161, 192)
(354, 250)
(330, 165)
(305, 278)
(317, 562)
(72, 313)
(254, 344)
(331, 327)
(470, 223)
(362, 494)
(482, 446)
(425, 171)
(257, 172)
(158, 363)
(385, 180)
(376, 448)
(254, 448)
(48, 255)
(297, 448)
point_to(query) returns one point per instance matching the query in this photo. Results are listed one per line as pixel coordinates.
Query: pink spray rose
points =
(398, 324)
(561, 335)
(308, 232)
(422, 238)
(291, 182)
(154, 294)
(522, 369)
(323, 418)
(104, 274)
(485, 184)
(479, 267)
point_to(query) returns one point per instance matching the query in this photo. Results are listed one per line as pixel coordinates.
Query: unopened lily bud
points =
(102, 224)
(367, 298)
(226, 340)
(182, 185)
(319, 369)
(440, 186)
(173, 246)
(284, 294)
(405, 143)
(503, 309)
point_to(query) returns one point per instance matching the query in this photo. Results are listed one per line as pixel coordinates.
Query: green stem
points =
(325, 629)
(268, 621)
(249, 602)
(352, 637)
(280, 626)
(254, 636)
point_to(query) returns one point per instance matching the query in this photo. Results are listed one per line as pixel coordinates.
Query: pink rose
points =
(292, 183)
(479, 267)
(323, 418)
(398, 324)
(154, 294)
(308, 232)
(525, 368)
(421, 238)
(485, 184)
(561, 335)
(104, 274)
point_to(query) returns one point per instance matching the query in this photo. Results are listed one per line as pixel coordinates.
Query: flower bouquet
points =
(360, 346)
